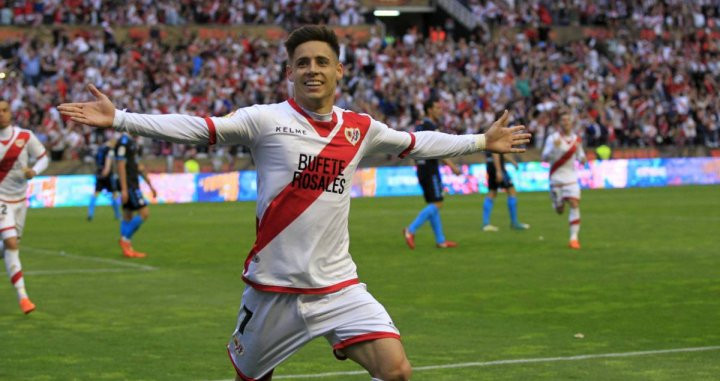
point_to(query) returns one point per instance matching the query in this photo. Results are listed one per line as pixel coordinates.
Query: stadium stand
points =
(656, 92)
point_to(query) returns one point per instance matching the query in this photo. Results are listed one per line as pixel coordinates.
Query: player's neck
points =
(319, 107)
(315, 115)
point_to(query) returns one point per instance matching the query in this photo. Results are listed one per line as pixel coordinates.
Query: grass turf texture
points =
(645, 279)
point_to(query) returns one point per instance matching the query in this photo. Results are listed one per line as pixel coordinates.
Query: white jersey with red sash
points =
(562, 151)
(305, 170)
(14, 155)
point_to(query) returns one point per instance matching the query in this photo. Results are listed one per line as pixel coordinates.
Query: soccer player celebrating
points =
(428, 174)
(17, 146)
(561, 149)
(129, 172)
(301, 280)
(105, 179)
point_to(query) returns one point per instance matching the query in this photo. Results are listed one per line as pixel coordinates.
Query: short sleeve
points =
(121, 149)
(35, 148)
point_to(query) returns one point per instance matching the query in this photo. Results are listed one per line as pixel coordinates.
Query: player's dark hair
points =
(312, 33)
(430, 103)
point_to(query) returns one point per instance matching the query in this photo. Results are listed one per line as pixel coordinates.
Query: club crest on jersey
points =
(352, 135)
(20, 142)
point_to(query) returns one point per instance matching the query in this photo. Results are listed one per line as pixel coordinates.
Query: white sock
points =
(574, 220)
(14, 271)
(375, 379)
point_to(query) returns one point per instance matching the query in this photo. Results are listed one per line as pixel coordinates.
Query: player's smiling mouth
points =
(313, 83)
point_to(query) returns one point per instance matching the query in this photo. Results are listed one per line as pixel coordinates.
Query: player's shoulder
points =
(123, 141)
(359, 118)
(23, 136)
(19, 130)
(265, 108)
(260, 112)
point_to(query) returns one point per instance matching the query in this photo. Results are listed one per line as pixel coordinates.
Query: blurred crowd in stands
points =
(652, 82)
(652, 14)
(288, 13)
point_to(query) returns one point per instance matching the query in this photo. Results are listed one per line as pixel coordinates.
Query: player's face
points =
(5, 116)
(566, 123)
(435, 111)
(315, 71)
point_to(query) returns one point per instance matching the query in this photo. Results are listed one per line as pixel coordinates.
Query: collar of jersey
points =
(12, 134)
(322, 128)
(569, 138)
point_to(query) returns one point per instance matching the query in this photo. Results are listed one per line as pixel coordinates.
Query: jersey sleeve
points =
(238, 127)
(433, 144)
(420, 145)
(34, 147)
(121, 149)
(580, 152)
(37, 150)
(235, 128)
(548, 148)
(386, 140)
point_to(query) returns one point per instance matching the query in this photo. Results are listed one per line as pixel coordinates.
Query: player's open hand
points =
(99, 113)
(503, 139)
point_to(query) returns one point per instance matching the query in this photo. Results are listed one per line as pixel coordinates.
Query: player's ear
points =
(340, 70)
(288, 72)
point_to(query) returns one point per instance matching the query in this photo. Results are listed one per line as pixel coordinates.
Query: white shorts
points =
(12, 218)
(559, 193)
(272, 326)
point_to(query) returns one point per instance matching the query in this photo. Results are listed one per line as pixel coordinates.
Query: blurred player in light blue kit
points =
(498, 178)
(129, 172)
(428, 173)
(105, 179)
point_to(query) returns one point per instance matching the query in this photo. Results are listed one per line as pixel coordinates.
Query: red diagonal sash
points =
(565, 157)
(13, 153)
(291, 202)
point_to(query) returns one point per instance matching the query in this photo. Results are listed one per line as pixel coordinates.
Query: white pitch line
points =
(79, 271)
(512, 361)
(116, 262)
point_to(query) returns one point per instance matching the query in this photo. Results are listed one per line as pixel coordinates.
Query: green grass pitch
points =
(646, 279)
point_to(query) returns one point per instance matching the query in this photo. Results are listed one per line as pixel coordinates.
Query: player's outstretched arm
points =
(99, 113)
(437, 145)
(176, 128)
(502, 139)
